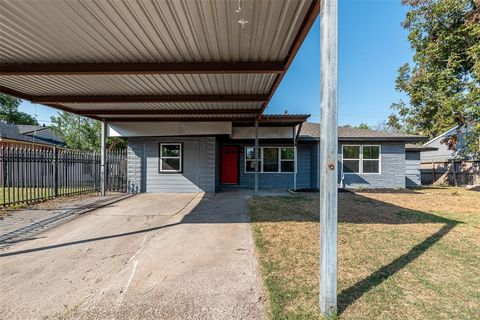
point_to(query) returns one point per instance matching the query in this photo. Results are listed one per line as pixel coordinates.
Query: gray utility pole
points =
(103, 158)
(328, 156)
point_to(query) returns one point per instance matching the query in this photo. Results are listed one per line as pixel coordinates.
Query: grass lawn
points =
(411, 254)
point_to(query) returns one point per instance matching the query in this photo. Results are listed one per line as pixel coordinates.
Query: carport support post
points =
(328, 156)
(103, 158)
(256, 155)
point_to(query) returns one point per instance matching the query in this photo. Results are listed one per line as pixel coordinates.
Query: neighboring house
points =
(21, 135)
(443, 152)
(202, 156)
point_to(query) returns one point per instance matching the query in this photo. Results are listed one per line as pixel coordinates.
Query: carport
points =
(174, 61)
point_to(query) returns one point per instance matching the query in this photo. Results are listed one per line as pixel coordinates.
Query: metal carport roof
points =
(151, 59)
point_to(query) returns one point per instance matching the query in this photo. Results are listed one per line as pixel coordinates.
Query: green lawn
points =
(402, 255)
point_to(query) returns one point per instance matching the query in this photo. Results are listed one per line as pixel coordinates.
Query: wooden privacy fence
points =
(34, 174)
(452, 173)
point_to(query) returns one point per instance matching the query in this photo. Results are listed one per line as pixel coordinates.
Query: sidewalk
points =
(24, 224)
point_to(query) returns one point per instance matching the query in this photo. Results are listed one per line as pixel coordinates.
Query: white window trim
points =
(360, 166)
(180, 158)
(260, 153)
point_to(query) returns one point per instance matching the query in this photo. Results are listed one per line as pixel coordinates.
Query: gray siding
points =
(314, 160)
(442, 154)
(392, 172)
(199, 165)
(265, 180)
(412, 168)
(278, 180)
(304, 163)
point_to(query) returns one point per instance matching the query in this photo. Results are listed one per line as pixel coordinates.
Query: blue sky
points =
(372, 45)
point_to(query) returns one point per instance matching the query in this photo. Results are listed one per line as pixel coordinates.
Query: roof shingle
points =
(311, 131)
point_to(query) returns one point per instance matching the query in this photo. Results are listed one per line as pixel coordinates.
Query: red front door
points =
(229, 161)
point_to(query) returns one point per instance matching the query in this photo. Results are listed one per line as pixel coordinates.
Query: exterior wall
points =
(392, 168)
(304, 166)
(265, 180)
(412, 168)
(199, 165)
(314, 163)
(442, 154)
(277, 180)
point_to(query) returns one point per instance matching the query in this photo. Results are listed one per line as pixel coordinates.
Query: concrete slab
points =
(152, 256)
(24, 224)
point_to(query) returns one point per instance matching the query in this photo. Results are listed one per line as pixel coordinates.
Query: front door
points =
(229, 162)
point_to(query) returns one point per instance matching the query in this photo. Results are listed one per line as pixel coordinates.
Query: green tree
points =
(83, 133)
(443, 83)
(364, 126)
(9, 111)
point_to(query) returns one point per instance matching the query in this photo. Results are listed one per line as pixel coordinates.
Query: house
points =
(196, 156)
(447, 146)
(21, 135)
(444, 162)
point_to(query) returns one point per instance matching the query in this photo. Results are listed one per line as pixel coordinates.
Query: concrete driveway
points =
(152, 256)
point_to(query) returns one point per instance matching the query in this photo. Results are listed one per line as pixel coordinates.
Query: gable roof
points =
(311, 131)
(450, 132)
(30, 133)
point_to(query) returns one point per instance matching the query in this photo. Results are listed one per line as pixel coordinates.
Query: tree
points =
(9, 111)
(362, 125)
(443, 83)
(82, 133)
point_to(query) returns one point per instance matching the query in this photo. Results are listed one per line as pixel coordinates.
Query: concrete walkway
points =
(152, 256)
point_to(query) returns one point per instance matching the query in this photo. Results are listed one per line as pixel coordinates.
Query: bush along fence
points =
(450, 173)
(30, 174)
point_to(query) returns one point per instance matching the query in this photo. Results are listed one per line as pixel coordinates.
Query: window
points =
(170, 157)
(270, 159)
(250, 159)
(287, 159)
(361, 159)
(351, 159)
(371, 159)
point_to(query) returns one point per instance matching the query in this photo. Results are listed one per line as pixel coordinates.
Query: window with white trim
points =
(270, 159)
(250, 159)
(170, 157)
(287, 159)
(361, 158)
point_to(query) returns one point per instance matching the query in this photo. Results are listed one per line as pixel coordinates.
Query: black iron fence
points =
(31, 174)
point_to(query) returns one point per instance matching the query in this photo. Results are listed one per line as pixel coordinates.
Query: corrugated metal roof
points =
(175, 32)
(186, 116)
(254, 106)
(150, 31)
(141, 84)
